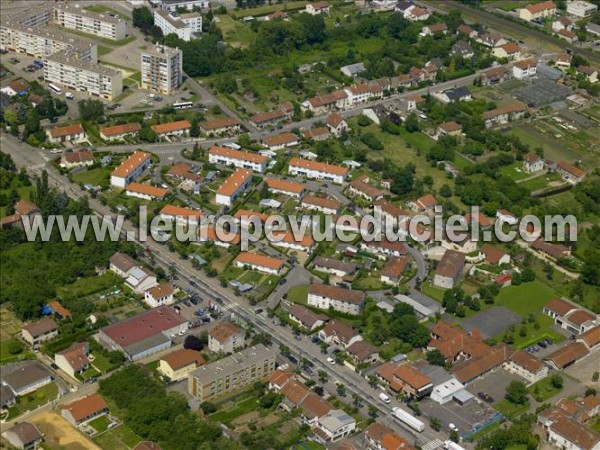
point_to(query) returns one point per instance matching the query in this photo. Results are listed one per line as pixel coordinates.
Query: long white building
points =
(318, 170)
(78, 19)
(67, 69)
(162, 69)
(237, 158)
(186, 26)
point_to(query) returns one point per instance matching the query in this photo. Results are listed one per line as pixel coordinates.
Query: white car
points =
(330, 360)
(181, 333)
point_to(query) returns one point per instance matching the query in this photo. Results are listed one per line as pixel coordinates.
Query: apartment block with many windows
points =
(231, 373)
(162, 69)
(102, 25)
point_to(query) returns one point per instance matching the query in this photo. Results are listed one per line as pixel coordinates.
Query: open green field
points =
(510, 410)
(527, 298)
(119, 438)
(534, 335)
(433, 292)
(542, 181)
(33, 400)
(234, 409)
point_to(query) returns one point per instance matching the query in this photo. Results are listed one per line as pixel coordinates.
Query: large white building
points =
(346, 301)
(67, 69)
(130, 169)
(185, 25)
(237, 158)
(233, 186)
(581, 9)
(102, 25)
(174, 5)
(162, 69)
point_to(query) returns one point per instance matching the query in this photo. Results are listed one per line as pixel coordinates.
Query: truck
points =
(384, 398)
(451, 445)
(408, 419)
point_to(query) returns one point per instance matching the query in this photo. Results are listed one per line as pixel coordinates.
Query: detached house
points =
(306, 318)
(524, 69)
(569, 172)
(336, 124)
(340, 334)
(226, 337)
(68, 133)
(81, 158)
(176, 365)
(317, 8)
(527, 366)
(510, 51)
(84, 410)
(494, 255)
(159, 295)
(504, 114)
(118, 132)
(496, 75)
(572, 318)
(363, 352)
(262, 263)
(74, 359)
(23, 435)
(449, 269)
(221, 126)
(532, 163)
(172, 129)
(285, 187)
(40, 331)
(430, 30)
(537, 11)
(322, 204)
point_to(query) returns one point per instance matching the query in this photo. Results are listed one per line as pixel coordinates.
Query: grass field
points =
(33, 400)
(528, 298)
(90, 285)
(232, 410)
(510, 410)
(97, 177)
(433, 292)
(7, 357)
(298, 294)
(543, 390)
(100, 424)
(119, 438)
(534, 336)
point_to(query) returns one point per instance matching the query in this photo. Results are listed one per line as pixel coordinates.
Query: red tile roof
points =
(176, 211)
(231, 185)
(222, 331)
(284, 185)
(259, 260)
(171, 126)
(337, 293)
(67, 130)
(134, 161)
(227, 152)
(183, 358)
(318, 166)
(222, 122)
(118, 130)
(86, 407)
(146, 189)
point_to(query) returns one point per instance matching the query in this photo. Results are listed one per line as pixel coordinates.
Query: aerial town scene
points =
(305, 225)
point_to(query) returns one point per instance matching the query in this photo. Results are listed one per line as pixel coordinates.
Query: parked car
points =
(193, 301)
(331, 361)
(542, 344)
(485, 397)
(292, 359)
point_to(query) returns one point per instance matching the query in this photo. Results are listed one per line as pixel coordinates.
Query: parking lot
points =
(494, 384)
(467, 417)
(492, 322)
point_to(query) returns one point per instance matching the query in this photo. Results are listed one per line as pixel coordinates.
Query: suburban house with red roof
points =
(280, 141)
(570, 317)
(493, 255)
(144, 334)
(82, 158)
(84, 409)
(336, 124)
(180, 215)
(537, 11)
(286, 239)
(226, 337)
(532, 163)
(221, 125)
(423, 204)
(362, 352)
(177, 364)
(66, 133)
(449, 269)
(363, 188)
(317, 8)
(527, 366)
(146, 191)
(285, 187)
(569, 172)
(347, 301)
(237, 158)
(322, 204)
(159, 295)
(74, 359)
(118, 132)
(393, 269)
(130, 169)
(258, 262)
(340, 334)
(405, 378)
(172, 129)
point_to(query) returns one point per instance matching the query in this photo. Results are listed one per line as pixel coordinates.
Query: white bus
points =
(183, 105)
(55, 88)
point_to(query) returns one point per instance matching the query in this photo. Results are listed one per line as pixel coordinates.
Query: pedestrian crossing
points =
(436, 443)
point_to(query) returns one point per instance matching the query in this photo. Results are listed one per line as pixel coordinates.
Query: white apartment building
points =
(39, 43)
(185, 26)
(233, 186)
(240, 159)
(67, 69)
(342, 300)
(174, 5)
(581, 8)
(101, 25)
(318, 170)
(162, 69)
(130, 169)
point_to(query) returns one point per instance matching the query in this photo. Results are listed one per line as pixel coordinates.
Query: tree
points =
(142, 18)
(146, 133)
(435, 424)
(284, 350)
(356, 399)
(412, 123)
(436, 358)
(193, 343)
(556, 381)
(446, 191)
(516, 392)
(90, 110)
(341, 390)
(323, 377)
(373, 411)
(371, 141)
(208, 407)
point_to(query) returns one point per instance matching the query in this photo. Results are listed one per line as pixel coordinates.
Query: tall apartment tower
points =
(162, 69)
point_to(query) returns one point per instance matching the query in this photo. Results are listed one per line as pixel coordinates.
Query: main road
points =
(34, 161)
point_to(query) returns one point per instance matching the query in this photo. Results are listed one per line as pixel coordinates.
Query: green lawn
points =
(119, 438)
(232, 410)
(534, 336)
(90, 285)
(100, 424)
(97, 177)
(515, 171)
(102, 363)
(544, 389)
(298, 294)
(527, 298)
(433, 292)
(5, 355)
(368, 284)
(33, 400)
(510, 410)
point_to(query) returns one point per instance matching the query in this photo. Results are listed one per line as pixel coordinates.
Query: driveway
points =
(492, 322)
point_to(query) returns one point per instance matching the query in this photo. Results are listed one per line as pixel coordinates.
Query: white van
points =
(384, 398)
(69, 96)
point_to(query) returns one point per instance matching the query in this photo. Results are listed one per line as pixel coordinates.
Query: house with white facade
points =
(262, 263)
(318, 170)
(130, 169)
(159, 295)
(237, 158)
(233, 186)
(347, 301)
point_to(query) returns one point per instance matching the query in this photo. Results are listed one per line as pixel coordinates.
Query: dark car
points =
(54, 366)
(542, 344)
(485, 397)
(292, 359)
(193, 301)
